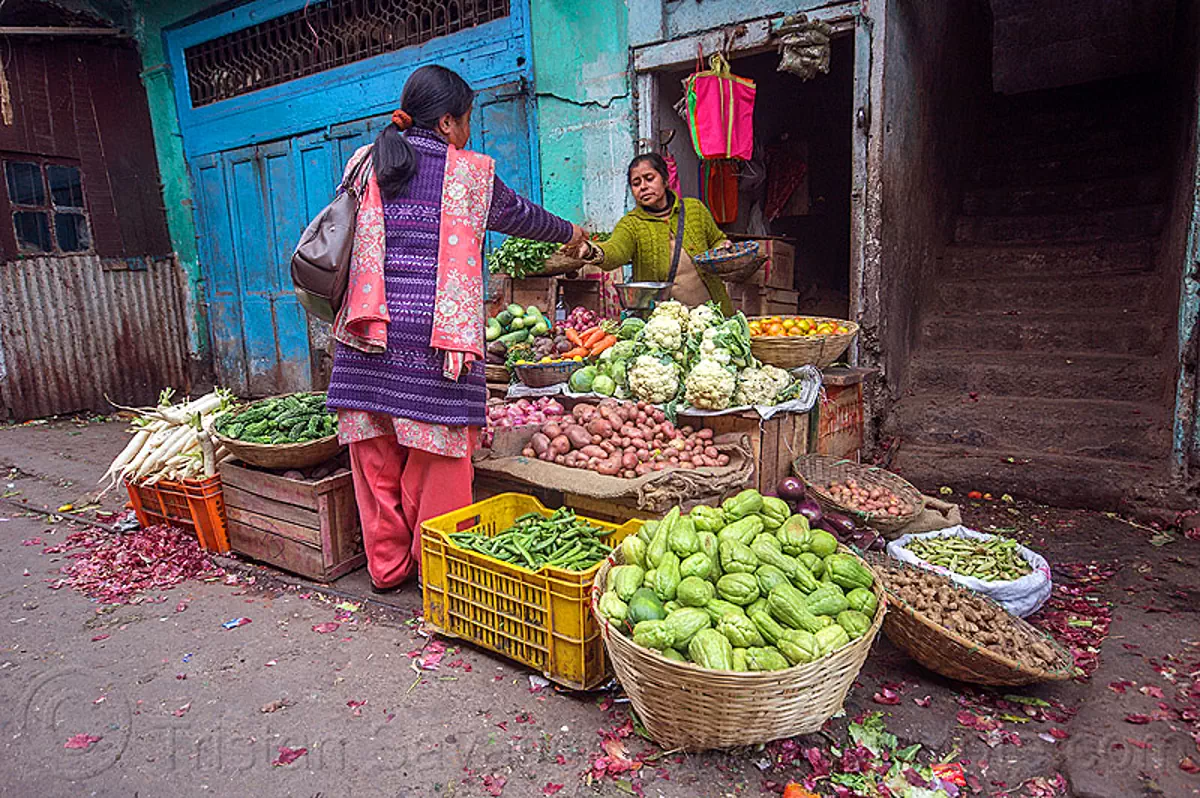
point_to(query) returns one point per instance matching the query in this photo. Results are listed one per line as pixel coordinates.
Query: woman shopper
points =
(646, 236)
(408, 370)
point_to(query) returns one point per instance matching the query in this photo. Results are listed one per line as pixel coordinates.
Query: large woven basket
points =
(736, 264)
(495, 373)
(789, 352)
(818, 470)
(283, 455)
(543, 375)
(954, 656)
(684, 706)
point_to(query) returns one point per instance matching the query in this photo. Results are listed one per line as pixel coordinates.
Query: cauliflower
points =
(704, 317)
(663, 333)
(653, 380)
(711, 349)
(710, 385)
(672, 310)
(761, 386)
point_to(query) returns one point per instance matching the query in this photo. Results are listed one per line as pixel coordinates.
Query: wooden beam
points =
(60, 31)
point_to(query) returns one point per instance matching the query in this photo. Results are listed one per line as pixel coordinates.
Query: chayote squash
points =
(741, 589)
(737, 558)
(647, 532)
(712, 547)
(812, 562)
(765, 658)
(740, 630)
(711, 649)
(674, 655)
(739, 660)
(768, 576)
(655, 634)
(854, 622)
(648, 579)
(685, 622)
(863, 600)
(645, 606)
(798, 646)
(759, 604)
(633, 551)
(612, 608)
(658, 546)
(821, 543)
(742, 531)
(698, 565)
(694, 591)
(624, 580)
(748, 502)
(829, 600)
(718, 608)
(803, 578)
(793, 535)
(766, 549)
(767, 626)
(774, 512)
(831, 638)
(671, 606)
(846, 571)
(683, 540)
(707, 519)
(786, 605)
(666, 577)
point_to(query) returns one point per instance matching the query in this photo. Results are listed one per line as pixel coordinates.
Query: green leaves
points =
(520, 257)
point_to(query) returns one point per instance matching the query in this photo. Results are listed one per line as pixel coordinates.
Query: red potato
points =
(597, 438)
(539, 442)
(608, 468)
(685, 457)
(600, 427)
(638, 443)
(560, 459)
(658, 466)
(547, 455)
(608, 446)
(640, 417)
(706, 434)
(642, 469)
(723, 460)
(578, 437)
(560, 445)
(528, 452)
(629, 460)
(685, 464)
(593, 451)
(629, 473)
(552, 429)
(643, 455)
(711, 452)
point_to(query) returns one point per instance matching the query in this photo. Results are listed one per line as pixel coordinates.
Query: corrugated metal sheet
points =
(74, 333)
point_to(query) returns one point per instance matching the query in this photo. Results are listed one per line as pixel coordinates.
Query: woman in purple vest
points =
(408, 381)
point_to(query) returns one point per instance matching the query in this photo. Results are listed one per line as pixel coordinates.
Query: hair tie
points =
(401, 119)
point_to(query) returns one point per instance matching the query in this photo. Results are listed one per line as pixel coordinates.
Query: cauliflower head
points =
(664, 333)
(780, 378)
(711, 348)
(757, 386)
(703, 317)
(710, 386)
(652, 379)
(672, 310)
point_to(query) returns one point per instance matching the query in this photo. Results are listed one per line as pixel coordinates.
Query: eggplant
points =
(810, 510)
(791, 490)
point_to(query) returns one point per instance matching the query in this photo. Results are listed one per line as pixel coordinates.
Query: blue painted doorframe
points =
(264, 163)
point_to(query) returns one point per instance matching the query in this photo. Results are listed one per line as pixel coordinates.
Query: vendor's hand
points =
(578, 237)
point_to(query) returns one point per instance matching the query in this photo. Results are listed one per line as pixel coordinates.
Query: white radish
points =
(128, 453)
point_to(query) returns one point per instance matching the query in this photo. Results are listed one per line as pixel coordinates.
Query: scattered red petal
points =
(551, 788)
(494, 784)
(1059, 734)
(98, 638)
(82, 741)
(1188, 765)
(1119, 687)
(1152, 691)
(326, 628)
(183, 710)
(1139, 743)
(923, 702)
(886, 696)
(288, 755)
(560, 759)
(1138, 719)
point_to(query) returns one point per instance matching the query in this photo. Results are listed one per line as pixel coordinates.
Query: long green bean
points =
(994, 560)
(534, 541)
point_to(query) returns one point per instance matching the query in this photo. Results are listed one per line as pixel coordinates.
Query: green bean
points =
(560, 540)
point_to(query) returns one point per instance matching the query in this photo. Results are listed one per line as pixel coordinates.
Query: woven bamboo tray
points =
(818, 470)
(735, 265)
(495, 373)
(283, 455)
(543, 375)
(696, 709)
(789, 352)
(954, 656)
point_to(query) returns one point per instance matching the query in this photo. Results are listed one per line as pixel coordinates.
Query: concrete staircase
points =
(1045, 356)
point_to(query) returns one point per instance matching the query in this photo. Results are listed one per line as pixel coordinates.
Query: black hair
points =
(430, 93)
(654, 160)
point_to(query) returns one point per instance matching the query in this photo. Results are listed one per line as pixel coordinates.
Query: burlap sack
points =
(654, 493)
(937, 515)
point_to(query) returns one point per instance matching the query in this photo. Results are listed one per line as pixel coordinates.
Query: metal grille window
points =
(322, 37)
(48, 211)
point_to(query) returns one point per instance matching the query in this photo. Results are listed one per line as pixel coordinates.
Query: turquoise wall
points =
(585, 107)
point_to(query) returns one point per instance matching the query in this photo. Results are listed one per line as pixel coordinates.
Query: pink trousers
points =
(399, 488)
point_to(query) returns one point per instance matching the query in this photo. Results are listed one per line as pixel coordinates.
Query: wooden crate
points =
(775, 443)
(755, 300)
(540, 291)
(308, 527)
(840, 423)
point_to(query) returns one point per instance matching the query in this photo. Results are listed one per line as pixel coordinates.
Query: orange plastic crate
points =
(541, 619)
(195, 505)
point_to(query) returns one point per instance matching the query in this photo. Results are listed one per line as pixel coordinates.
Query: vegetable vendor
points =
(408, 371)
(646, 237)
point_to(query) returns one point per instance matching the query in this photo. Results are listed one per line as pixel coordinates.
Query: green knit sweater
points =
(645, 240)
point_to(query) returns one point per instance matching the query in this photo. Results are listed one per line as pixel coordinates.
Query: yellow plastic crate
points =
(543, 619)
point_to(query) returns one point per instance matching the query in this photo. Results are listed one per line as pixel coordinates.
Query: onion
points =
(790, 489)
(810, 510)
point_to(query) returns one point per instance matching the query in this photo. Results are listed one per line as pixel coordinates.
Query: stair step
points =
(1036, 169)
(1118, 333)
(1054, 479)
(1082, 260)
(1110, 193)
(1072, 427)
(1027, 138)
(1114, 224)
(1038, 374)
(1049, 294)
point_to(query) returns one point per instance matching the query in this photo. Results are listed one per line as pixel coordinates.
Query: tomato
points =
(795, 332)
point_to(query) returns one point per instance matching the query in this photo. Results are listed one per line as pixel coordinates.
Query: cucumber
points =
(494, 330)
(514, 337)
(516, 310)
(505, 318)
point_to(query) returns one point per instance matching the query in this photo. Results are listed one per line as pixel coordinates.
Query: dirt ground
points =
(183, 706)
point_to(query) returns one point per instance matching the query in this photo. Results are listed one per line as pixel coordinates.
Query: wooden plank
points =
(345, 525)
(301, 534)
(268, 486)
(276, 550)
(769, 454)
(251, 502)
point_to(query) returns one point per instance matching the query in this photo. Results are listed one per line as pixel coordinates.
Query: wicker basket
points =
(560, 263)
(494, 373)
(735, 265)
(818, 470)
(282, 455)
(692, 708)
(954, 656)
(789, 352)
(543, 375)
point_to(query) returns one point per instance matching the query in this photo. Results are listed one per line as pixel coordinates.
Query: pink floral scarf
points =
(458, 305)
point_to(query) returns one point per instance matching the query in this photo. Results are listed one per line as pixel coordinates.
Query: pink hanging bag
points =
(720, 112)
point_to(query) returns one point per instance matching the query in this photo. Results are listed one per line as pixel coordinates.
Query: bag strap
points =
(353, 182)
(678, 242)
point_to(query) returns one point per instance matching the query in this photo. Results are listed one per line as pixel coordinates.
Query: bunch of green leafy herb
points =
(520, 257)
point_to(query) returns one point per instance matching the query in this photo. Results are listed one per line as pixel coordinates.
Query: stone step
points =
(1052, 479)
(1071, 427)
(1113, 224)
(1039, 374)
(1109, 193)
(1037, 169)
(1080, 260)
(1116, 332)
(1048, 294)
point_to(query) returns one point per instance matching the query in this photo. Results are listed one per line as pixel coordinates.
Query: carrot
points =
(592, 336)
(579, 351)
(573, 337)
(604, 343)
